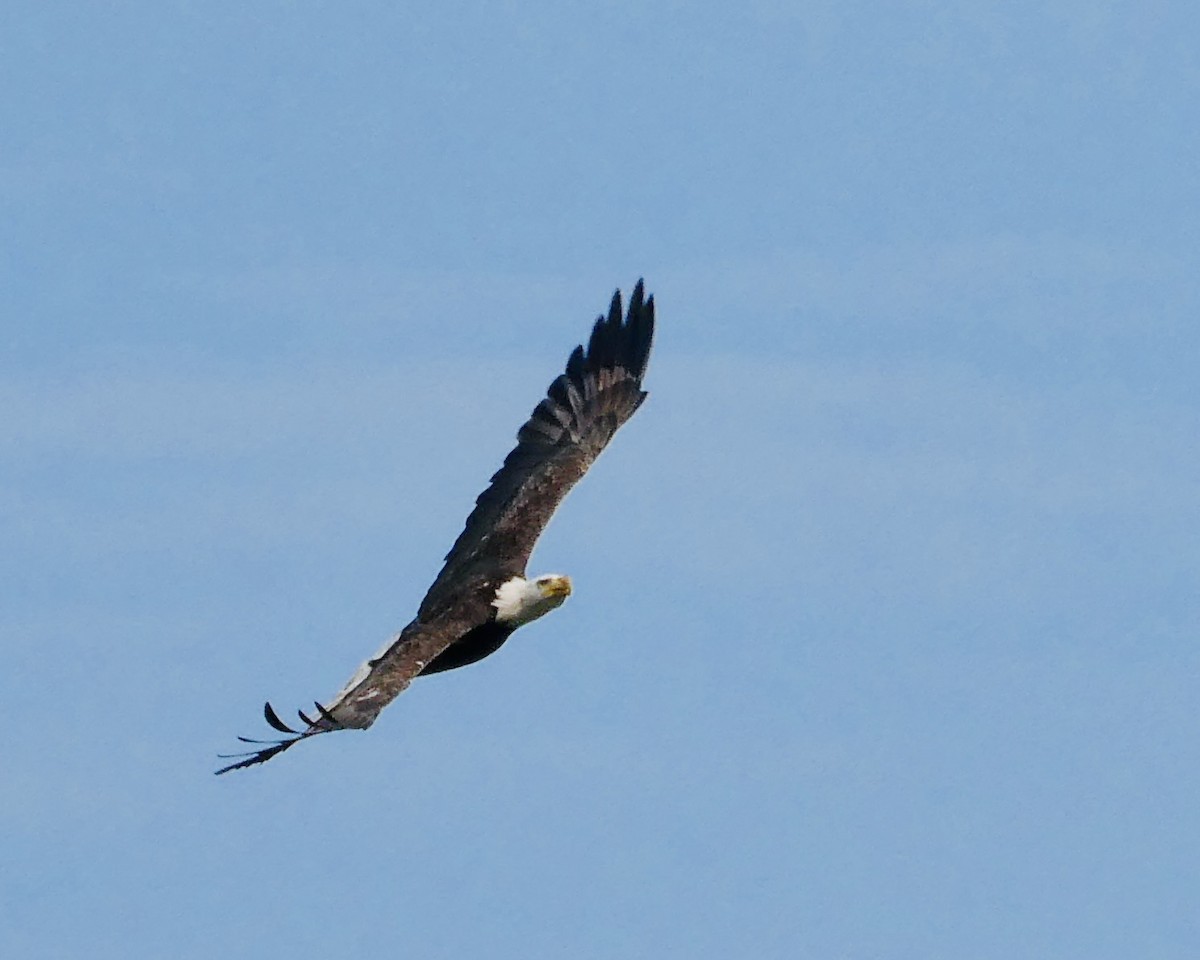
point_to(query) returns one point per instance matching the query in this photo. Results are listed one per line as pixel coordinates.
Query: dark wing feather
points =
(384, 677)
(376, 684)
(583, 408)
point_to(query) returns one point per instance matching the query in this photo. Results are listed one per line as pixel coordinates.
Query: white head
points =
(519, 601)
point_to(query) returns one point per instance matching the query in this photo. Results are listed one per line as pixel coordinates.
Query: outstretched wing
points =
(584, 407)
(374, 685)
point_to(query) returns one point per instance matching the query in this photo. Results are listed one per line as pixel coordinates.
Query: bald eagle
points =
(482, 594)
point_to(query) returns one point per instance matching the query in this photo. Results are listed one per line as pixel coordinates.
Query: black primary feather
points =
(273, 719)
(272, 748)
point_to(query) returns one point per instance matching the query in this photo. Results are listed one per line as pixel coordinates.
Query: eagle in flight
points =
(482, 594)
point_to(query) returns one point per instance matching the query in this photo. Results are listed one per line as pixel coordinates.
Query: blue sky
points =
(883, 640)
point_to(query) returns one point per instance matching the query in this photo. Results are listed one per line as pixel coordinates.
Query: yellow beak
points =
(558, 587)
